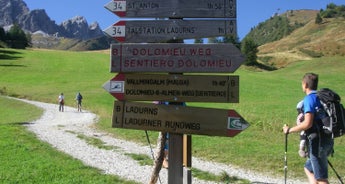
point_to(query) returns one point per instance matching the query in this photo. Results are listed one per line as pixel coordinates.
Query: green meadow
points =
(25, 159)
(267, 101)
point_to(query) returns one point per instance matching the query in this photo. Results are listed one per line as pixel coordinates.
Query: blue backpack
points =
(79, 97)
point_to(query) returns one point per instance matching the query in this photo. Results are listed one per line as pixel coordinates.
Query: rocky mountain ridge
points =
(37, 21)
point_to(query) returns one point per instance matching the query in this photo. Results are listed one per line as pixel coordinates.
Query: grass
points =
(96, 142)
(25, 159)
(142, 159)
(222, 178)
(267, 102)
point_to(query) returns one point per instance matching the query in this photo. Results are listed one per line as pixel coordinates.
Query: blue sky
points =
(249, 12)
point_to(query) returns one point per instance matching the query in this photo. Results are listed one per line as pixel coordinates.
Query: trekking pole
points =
(153, 155)
(285, 158)
(341, 181)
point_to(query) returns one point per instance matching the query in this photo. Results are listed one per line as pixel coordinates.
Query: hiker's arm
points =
(306, 124)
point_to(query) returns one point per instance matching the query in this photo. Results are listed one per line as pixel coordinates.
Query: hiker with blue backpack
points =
(320, 144)
(79, 98)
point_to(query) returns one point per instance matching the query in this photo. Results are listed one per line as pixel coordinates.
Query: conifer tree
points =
(250, 50)
(318, 19)
(16, 37)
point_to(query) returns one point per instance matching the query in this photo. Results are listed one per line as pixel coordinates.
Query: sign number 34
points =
(118, 31)
(119, 6)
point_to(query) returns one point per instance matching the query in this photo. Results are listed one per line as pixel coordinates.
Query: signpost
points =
(175, 58)
(205, 18)
(174, 88)
(171, 9)
(161, 30)
(177, 119)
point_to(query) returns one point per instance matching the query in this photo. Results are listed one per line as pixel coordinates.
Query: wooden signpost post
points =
(140, 52)
(171, 9)
(173, 29)
(174, 88)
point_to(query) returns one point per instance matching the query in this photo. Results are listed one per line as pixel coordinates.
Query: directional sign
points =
(146, 31)
(177, 88)
(175, 58)
(173, 9)
(177, 119)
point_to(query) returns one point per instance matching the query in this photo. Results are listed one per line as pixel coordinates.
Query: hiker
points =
(61, 100)
(79, 98)
(166, 153)
(320, 145)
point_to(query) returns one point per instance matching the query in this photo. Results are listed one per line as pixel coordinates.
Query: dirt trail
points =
(61, 130)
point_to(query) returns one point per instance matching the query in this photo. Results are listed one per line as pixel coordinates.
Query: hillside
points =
(279, 26)
(62, 43)
(295, 35)
(310, 41)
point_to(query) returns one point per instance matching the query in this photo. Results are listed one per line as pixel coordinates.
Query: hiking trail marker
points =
(178, 19)
(175, 58)
(148, 31)
(177, 119)
(171, 9)
(174, 88)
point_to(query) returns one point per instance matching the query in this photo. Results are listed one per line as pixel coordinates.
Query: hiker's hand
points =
(286, 129)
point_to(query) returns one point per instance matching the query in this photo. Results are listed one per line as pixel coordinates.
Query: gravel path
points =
(60, 129)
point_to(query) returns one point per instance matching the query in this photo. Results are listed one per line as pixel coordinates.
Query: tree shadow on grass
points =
(11, 65)
(10, 52)
(263, 67)
(9, 55)
(16, 124)
(21, 123)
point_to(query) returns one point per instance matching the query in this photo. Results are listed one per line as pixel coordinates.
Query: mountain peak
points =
(16, 11)
(11, 10)
(78, 20)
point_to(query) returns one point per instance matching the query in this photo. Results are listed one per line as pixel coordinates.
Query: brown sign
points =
(173, 9)
(148, 31)
(176, 88)
(177, 119)
(175, 58)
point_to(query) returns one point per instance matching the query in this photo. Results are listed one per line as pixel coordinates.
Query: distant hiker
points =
(61, 100)
(79, 98)
(320, 145)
